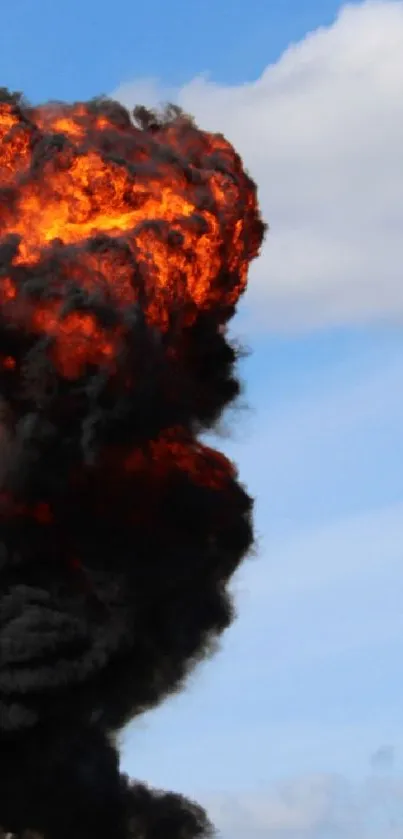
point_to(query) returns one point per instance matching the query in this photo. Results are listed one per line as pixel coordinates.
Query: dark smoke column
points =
(125, 243)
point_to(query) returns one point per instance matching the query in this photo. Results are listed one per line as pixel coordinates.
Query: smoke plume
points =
(125, 241)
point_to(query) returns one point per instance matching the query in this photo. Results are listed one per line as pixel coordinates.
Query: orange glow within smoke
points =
(139, 196)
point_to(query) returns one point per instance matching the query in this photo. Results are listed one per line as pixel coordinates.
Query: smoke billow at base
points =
(65, 782)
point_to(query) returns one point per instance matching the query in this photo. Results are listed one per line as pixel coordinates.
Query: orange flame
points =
(182, 226)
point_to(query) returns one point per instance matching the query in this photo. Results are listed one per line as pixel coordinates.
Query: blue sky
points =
(276, 733)
(79, 49)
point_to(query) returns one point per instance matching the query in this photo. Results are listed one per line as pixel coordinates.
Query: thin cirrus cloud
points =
(315, 807)
(321, 130)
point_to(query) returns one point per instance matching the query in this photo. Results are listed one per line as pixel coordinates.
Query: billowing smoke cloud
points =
(124, 247)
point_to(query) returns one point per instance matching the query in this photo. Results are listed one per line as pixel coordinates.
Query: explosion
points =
(125, 242)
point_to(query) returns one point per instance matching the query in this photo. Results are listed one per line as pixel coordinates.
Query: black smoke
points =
(119, 530)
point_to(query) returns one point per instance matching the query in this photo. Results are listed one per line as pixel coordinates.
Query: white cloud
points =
(314, 807)
(321, 131)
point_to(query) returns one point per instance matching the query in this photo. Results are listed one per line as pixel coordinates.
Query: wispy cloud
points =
(333, 449)
(318, 806)
(383, 758)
